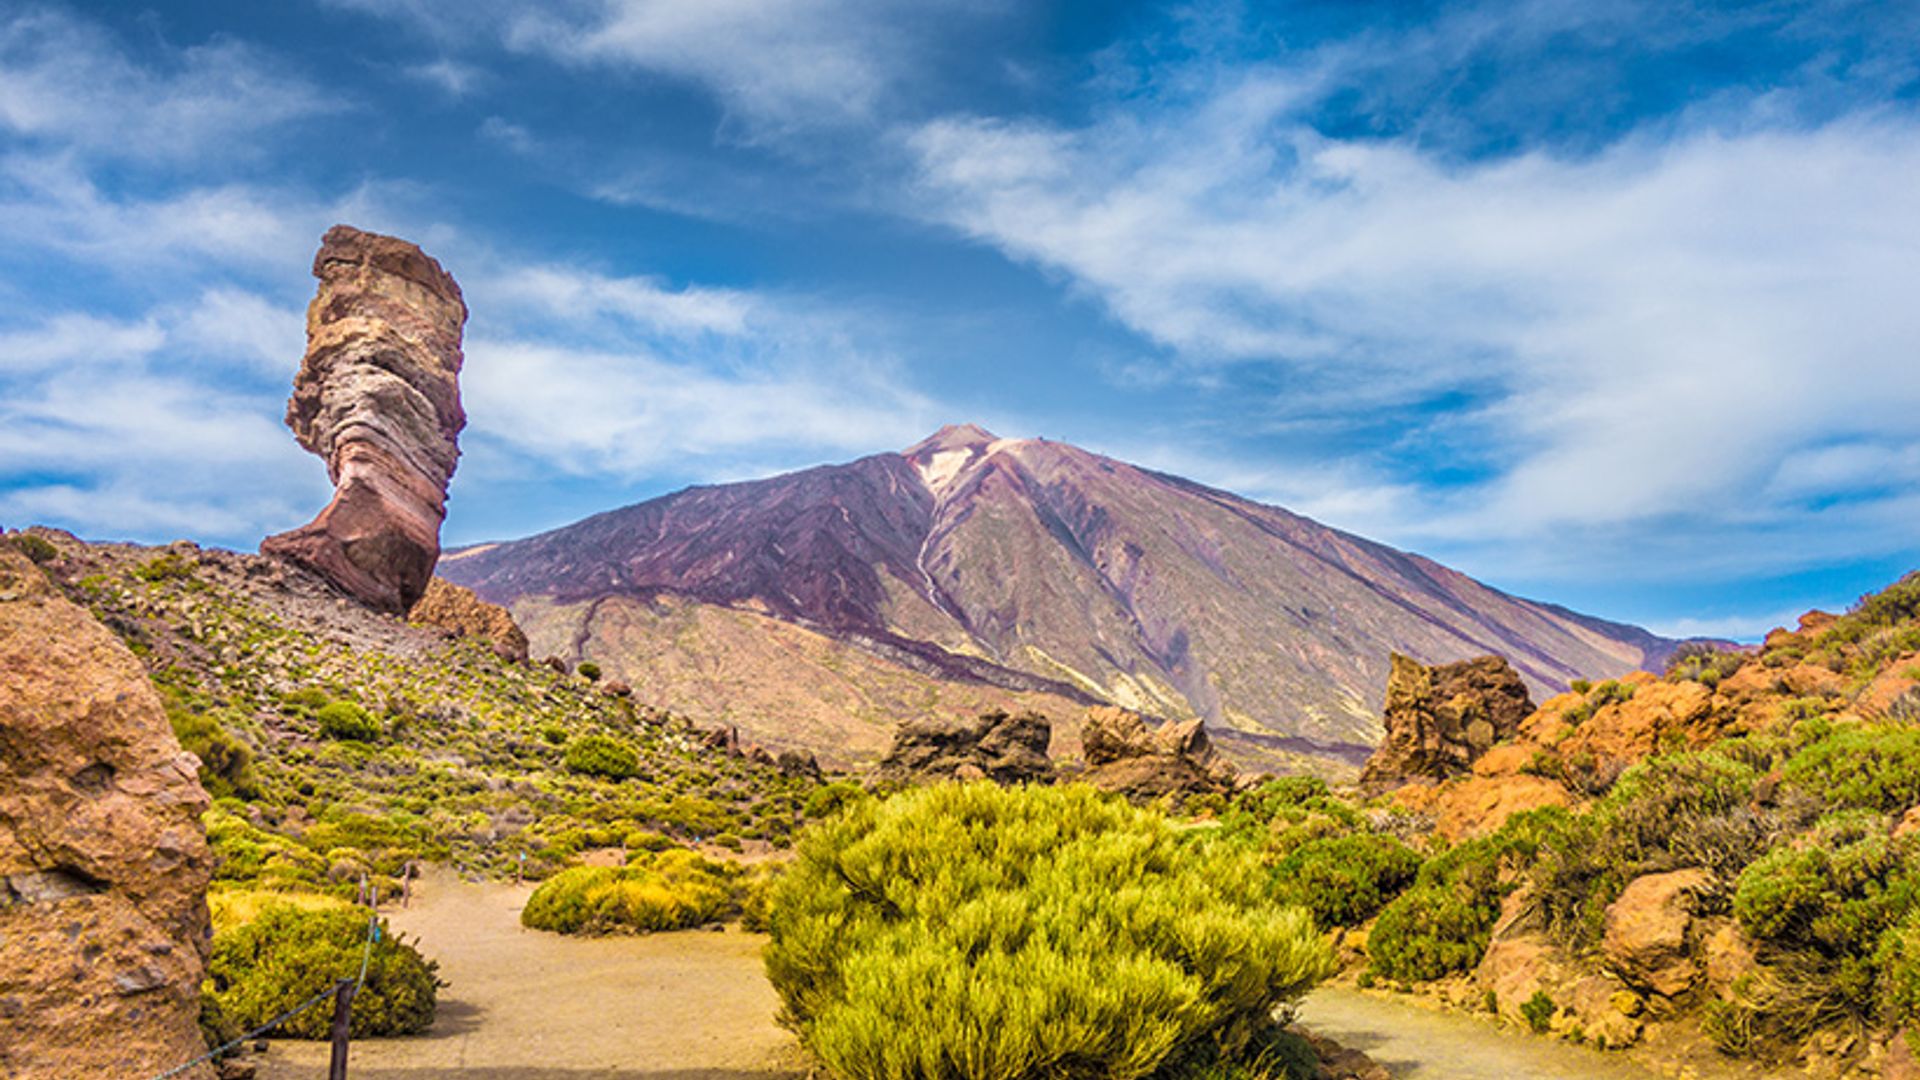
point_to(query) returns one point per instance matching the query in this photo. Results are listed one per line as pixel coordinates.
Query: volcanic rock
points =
(1646, 936)
(1439, 720)
(1124, 755)
(378, 398)
(996, 746)
(103, 862)
(458, 611)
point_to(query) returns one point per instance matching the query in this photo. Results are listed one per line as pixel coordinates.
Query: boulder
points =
(1440, 719)
(995, 745)
(458, 611)
(1124, 755)
(1646, 938)
(103, 861)
(802, 766)
(377, 397)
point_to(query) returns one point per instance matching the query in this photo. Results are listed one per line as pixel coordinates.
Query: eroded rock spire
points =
(378, 398)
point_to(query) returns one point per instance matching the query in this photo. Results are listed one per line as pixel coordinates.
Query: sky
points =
(1608, 303)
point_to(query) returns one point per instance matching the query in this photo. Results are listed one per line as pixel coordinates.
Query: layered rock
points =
(1124, 755)
(1439, 720)
(103, 862)
(459, 612)
(998, 746)
(378, 398)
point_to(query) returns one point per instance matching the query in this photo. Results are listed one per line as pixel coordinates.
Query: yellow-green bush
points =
(287, 954)
(971, 931)
(603, 756)
(663, 890)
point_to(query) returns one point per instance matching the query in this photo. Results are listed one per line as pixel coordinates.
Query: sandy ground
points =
(526, 1005)
(1414, 1043)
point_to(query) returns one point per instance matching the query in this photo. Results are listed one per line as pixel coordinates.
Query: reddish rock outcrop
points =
(1123, 755)
(1647, 931)
(378, 398)
(1439, 720)
(103, 862)
(994, 746)
(458, 611)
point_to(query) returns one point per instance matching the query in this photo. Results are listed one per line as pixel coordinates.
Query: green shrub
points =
(286, 955)
(667, 890)
(347, 721)
(226, 763)
(169, 567)
(1344, 880)
(553, 734)
(987, 933)
(829, 799)
(1897, 964)
(588, 670)
(1698, 661)
(37, 548)
(601, 755)
(1538, 1011)
(1870, 766)
(1580, 686)
(1445, 921)
(1827, 908)
(1611, 692)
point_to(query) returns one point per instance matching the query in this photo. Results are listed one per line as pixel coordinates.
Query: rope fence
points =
(336, 989)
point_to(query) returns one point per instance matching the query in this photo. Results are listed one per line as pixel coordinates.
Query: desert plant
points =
(588, 670)
(37, 548)
(1343, 880)
(971, 931)
(168, 567)
(1538, 1011)
(1870, 766)
(602, 756)
(667, 890)
(285, 955)
(347, 721)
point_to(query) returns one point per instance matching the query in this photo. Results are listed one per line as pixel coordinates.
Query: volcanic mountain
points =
(814, 608)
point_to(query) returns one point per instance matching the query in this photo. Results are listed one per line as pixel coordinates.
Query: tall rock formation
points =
(378, 398)
(1440, 719)
(103, 862)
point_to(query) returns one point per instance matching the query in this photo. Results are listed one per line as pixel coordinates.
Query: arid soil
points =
(1415, 1043)
(527, 1005)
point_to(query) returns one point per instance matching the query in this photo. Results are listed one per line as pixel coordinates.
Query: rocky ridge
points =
(377, 397)
(103, 861)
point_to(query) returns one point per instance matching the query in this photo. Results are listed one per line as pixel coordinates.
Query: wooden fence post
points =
(342, 1016)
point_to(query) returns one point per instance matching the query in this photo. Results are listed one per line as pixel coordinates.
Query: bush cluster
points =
(1343, 880)
(287, 954)
(990, 933)
(664, 890)
(347, 721)
(601, 755)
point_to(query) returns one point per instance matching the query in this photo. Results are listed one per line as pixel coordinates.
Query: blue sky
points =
(1607, 303)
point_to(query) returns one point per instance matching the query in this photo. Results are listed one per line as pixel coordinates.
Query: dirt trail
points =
(526, 1005)
(1414, 1043)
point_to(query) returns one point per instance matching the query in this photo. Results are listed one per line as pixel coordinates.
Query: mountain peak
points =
(952, 437)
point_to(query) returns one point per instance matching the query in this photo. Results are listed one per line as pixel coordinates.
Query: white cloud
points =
(76, 338)
(66, 81)
(453, 78)
(1664, 324)
(626, 413)
(776, 65)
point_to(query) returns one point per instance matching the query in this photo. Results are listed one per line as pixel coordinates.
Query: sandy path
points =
(526, 1005)
(1414, 1043)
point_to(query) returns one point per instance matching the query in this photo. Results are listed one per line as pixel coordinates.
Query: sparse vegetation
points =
(37, 548)
(348, 721)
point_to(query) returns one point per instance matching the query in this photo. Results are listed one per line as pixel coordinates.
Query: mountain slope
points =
(1039, 567)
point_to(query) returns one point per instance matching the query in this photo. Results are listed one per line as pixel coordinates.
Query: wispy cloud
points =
(67, 82)
(1656, 330)
(777, 66)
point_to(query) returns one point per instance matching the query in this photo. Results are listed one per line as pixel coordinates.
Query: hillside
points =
(338, 741)
(1023, 565)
